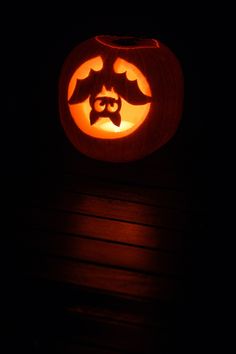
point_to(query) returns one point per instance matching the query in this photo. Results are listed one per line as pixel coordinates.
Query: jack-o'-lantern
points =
(120, 97)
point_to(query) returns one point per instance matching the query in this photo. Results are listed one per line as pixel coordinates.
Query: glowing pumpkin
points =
(120, 98)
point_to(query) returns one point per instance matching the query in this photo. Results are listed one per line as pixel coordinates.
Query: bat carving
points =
(111, 108)
(92, 86)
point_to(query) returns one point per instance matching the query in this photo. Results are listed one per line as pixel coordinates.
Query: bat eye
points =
(112, 107)
(99, 106)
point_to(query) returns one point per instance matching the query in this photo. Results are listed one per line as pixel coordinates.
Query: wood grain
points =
(104, 278)
(143, 194)
(100, 228)
(115, 210)
(102, 252)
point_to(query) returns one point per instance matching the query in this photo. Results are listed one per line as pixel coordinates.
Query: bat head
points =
(105, 107)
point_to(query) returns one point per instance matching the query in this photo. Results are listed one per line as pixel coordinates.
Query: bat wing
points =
(83, 88)
(125, 88)
(129, 90)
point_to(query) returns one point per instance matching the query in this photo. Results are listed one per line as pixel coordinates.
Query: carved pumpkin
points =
(120, 98)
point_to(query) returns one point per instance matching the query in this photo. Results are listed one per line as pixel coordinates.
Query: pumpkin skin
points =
(120, 98)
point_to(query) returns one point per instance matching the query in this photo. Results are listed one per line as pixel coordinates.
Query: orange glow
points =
(83, 71)
(132, 116)
(132, 73)
(104, 92)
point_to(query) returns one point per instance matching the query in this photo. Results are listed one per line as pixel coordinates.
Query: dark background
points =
(36, 45)
(33, 142)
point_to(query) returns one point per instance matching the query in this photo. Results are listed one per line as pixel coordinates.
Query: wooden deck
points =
(104, 255)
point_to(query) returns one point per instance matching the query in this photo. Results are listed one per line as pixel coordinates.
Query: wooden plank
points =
(102, 252)
(115, 209)
(71, 346)
(103, 229)
(51, 327)
(125, 315)
(127, 192)
(103, 278)
(56, 328)
(87, 333)
(86, 302)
